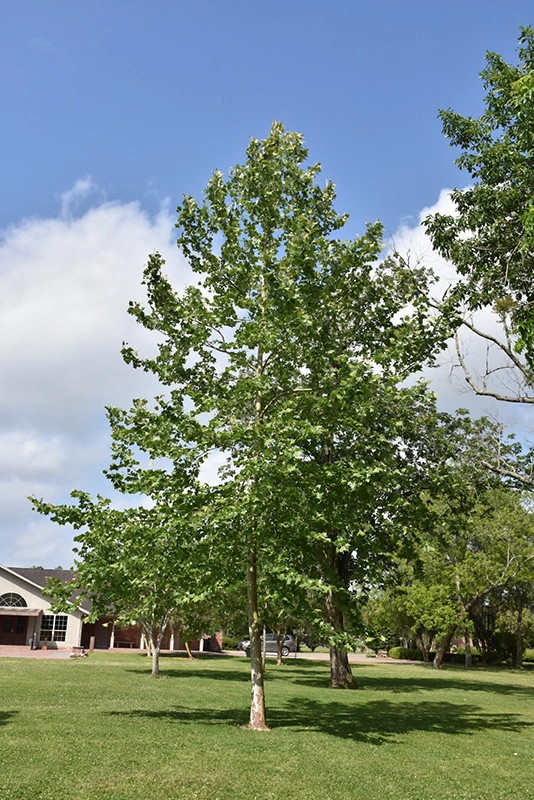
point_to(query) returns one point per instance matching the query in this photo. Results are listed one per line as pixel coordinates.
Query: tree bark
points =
(280, 639)
(257, 701)
(154, 642)
(340, 672)
(155, 660)
(468, 654)
(443, 648)
(257, 664)
(152, 650)
(519, 639)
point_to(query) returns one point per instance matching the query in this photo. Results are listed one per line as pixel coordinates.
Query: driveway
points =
(354, 658)
(25, 652)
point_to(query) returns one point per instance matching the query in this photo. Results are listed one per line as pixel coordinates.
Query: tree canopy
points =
(140, 565)
(288, 356)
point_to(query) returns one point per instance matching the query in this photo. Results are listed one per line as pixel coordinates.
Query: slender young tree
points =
(141, 566)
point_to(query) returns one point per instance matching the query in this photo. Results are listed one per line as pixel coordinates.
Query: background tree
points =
(141, 566)
(515, 616)
(489, 239)
(480, 553)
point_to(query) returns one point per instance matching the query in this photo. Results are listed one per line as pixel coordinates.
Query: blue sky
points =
(149, 97)
(110, 111)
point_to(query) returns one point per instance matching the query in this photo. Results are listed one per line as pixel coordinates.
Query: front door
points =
(13, 630)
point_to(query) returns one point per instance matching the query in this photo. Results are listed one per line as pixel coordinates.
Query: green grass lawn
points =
(100, 729)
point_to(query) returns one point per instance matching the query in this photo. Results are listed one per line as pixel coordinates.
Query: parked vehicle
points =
(288, 646)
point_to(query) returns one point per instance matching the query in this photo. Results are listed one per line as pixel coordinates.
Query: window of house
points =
(53, 627)
(11, 600)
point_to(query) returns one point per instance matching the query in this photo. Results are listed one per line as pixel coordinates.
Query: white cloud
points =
(26, 453)
(71, 199)
(65, 284)
(41, 544)
(448, 379)
(64, 292)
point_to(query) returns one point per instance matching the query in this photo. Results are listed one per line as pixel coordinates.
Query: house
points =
(25, 615)
(26, 618)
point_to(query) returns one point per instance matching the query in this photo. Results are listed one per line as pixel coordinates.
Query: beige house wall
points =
(32, 594)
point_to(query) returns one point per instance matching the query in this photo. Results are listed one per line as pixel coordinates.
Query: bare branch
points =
(508, 472)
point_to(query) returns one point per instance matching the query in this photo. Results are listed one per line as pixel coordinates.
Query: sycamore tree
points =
(285, 355)
(288, 355)
(368, 477)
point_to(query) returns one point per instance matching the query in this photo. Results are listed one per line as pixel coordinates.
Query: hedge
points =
(406, 652)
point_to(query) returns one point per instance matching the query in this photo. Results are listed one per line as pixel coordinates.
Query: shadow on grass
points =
(6, 716)
(194, 672)
(375, 722)
(316, 674)
(427, 680)
(207, 656)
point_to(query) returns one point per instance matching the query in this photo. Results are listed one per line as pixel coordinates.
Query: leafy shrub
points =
(230, 642)
(474, 651)
(504, 647)
(458, 657)
(312, 642)
(528, 656)
(406, 652)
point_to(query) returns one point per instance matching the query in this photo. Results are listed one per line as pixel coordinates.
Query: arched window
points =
(12, 600)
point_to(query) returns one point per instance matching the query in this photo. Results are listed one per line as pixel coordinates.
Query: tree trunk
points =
(468, 654)
(519, 639)
(147, 637)
(424, 642)
(188, 650)
(257, 700)
(257, 663)
(443, 648)
(280, 639)
(155, 660)
(154, 642)
(340, 672)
